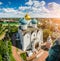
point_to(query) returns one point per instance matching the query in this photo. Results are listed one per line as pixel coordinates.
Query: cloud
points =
(54, 8)
(1, 3)
(22, 8)
(9, 10)
(34, 8)
(53, 5)
(38, 3)
(29, 2)
(35, 3)
(11, 15)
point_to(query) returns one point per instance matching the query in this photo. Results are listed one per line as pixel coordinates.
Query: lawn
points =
(10, 23)
(12, 58)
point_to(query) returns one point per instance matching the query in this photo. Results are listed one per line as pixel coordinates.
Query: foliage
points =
(5, 43)
(54, 53)
(9, 47)
(0, 58)
(23, 55)
(6, 50)
(46, 33)
(0, 25)
(12, 30)
(12, 58)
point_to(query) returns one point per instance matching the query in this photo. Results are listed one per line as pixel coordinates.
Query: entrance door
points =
(36, 45)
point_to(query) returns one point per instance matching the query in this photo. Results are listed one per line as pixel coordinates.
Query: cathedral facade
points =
(30, 35)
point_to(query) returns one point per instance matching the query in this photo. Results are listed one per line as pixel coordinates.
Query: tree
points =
(46, 33)
(0, 57)
(23, 56)
(5, 50)
(9, 47)
(54, 53)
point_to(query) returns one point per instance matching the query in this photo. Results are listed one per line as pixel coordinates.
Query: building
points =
(30, 36)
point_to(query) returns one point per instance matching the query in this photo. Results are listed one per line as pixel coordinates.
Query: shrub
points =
(23, 56)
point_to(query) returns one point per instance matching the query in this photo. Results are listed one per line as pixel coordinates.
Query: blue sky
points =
(17, 3)
(21, 7)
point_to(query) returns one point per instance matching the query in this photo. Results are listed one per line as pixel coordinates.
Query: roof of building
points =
(23, 21)
(30, 29)
(34, 21)
(27, 17)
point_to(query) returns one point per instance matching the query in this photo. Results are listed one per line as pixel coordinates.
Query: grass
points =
(11, 24)
(12, 58)
(23, 56)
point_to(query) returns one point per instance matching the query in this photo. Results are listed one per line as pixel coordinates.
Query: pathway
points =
(14, 50)
(15, 54)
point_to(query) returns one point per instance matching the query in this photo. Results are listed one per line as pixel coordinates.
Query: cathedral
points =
(30, 36)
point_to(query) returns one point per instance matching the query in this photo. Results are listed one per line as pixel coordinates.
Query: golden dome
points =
(27, 17)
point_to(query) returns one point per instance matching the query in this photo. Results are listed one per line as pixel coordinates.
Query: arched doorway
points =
(37, 45)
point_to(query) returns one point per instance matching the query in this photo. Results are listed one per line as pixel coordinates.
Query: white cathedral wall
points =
(33, 44)
(34, 25)
(40, 35)
(24, 27)
(26, 41)
(33, 35)
(28, 38)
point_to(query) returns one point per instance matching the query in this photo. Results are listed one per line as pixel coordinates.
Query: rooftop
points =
(29, 29)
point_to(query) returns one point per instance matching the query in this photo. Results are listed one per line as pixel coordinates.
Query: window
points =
(34, 35)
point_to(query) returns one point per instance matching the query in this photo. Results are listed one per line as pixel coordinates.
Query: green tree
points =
(23, 56)
(9, 47)
(46, 33)
(0, 58)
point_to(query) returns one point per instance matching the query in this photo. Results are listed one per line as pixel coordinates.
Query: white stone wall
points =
(29, 37)
(26, 41)
(40, 35)
(24, 27)
(34, 25)
(33, 35)
(33, 44)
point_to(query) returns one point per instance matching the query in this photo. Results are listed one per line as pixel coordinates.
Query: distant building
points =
(29, 34)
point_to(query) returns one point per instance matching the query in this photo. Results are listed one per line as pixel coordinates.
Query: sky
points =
(35, 8)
